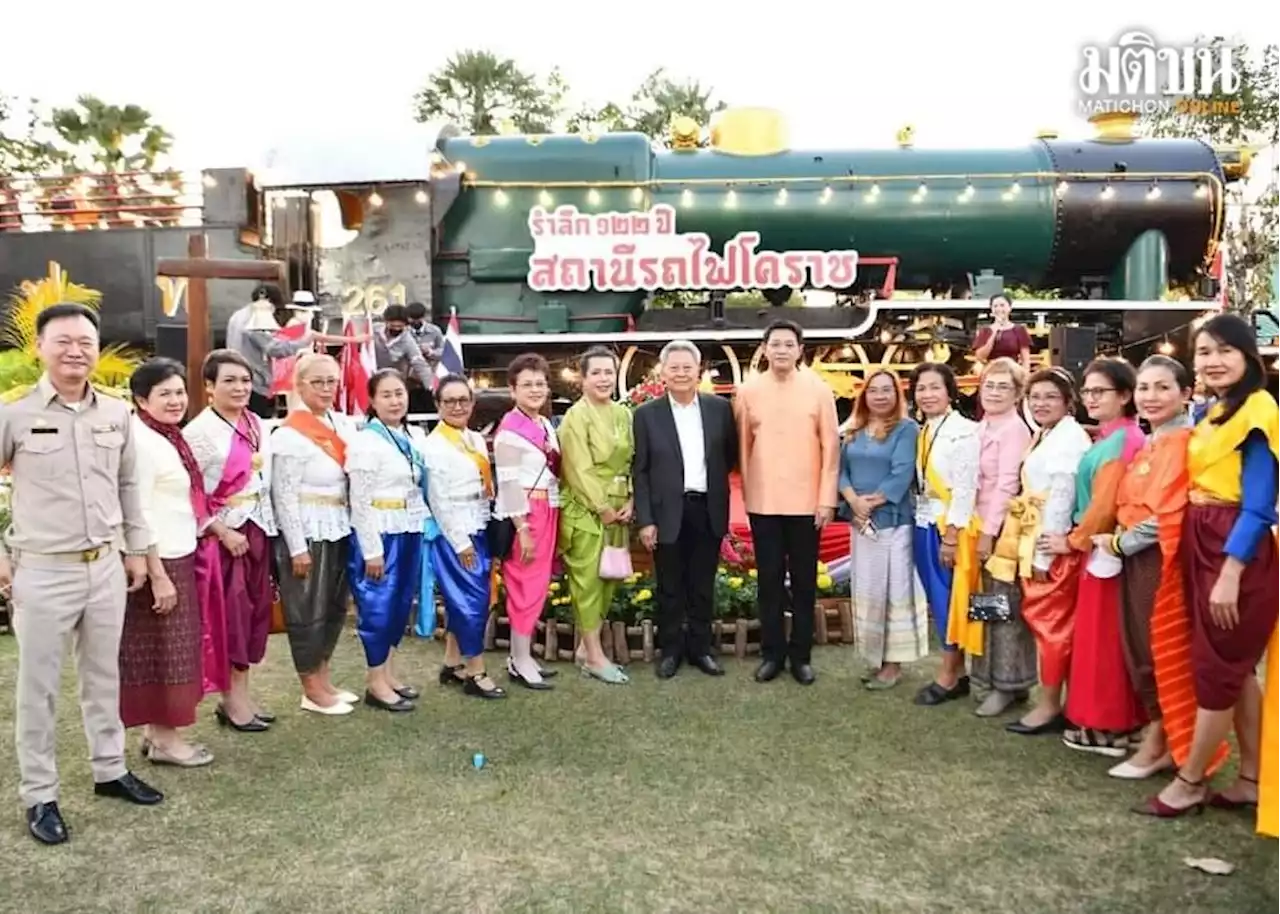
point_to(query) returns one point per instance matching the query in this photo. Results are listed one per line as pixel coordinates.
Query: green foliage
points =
(22, 149)
(110, 138)
(479, 91)
(654, 105)
(1250, 238)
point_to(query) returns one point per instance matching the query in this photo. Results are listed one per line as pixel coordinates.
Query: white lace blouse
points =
(309, 488)
(952, 448)
(521, 467)
(458, 500)
(386, 492)
(1050, 473)
(210, 437)
(166, 494)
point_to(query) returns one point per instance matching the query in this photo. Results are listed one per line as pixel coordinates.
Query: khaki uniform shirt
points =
(74, 475)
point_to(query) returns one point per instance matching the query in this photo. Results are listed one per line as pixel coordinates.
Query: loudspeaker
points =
(171, 341)
(1073, 348)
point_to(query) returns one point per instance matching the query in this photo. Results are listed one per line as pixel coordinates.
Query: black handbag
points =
(990, 607)
(500, 535)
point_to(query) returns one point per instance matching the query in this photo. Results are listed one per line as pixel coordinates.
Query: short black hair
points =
(783, 324)
(63, 310)
(216, 359)
(152, 373)
(395, 313)
(1122, 377)
(265, 292)
(453, 378)
(942, 370)
(416, 310)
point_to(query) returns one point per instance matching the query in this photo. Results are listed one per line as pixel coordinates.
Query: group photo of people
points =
(1103, 572)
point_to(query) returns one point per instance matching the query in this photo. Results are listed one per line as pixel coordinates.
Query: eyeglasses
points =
(323, 383)
(1092, 392)
(455, 402)
(998, 388)
(532, 385)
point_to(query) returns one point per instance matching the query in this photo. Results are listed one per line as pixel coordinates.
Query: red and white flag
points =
(451, 359)
(358, 362)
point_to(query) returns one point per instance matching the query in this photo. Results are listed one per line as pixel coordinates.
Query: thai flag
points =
(358, 362)
(451, 360)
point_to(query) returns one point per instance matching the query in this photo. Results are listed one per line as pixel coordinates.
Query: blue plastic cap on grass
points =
(477, 760)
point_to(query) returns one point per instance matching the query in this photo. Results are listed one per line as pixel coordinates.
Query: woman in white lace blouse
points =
(460, 491)
(309, 494)
(388, 479)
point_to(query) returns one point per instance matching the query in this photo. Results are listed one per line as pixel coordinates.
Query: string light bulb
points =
(686, 198)
(544, 198)
(922, 189)
(1202, 191)
(1015, 188)
(1062, 188)
(1166, 348)
(731, 199)
(375, 199)
(421, 196)
(500, 197)
(593, 197)
(637, 195)
(1153, 193)
(782, 197)
(825, 196)
(1107, 192)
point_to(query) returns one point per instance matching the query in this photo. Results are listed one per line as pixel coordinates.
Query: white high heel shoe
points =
(333, 710)
(347, 697)
(1128, 771)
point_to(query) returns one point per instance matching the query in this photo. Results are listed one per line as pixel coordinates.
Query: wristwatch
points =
(136, 554)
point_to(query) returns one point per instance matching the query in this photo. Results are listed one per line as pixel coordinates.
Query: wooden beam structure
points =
(197, 268)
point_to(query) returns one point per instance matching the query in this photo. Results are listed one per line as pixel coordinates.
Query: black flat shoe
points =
(1056, 725)
(668, 666)
(707, 664)
(935, 694)
(548, 674)
(449, 675)
(45, 824)
(266, 717)
(514, 675)
(768, 671)
(803, 673)
(408, 693)
(472, 687)
(129, 787)
(398, 706)
(255, 724)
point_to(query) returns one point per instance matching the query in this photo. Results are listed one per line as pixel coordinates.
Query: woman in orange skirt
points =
(1230, 568)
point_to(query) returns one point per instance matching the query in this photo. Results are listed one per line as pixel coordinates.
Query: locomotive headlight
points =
(1154, 192)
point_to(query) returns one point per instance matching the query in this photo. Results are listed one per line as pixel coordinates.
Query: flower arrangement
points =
(20, 367)
(644, 392)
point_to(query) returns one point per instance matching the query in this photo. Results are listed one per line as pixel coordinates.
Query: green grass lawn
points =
(694, 795)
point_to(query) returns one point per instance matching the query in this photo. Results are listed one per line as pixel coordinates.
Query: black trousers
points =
(686, 573)
(785, 543)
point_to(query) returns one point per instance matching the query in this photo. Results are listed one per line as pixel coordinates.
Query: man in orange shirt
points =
(789, 453)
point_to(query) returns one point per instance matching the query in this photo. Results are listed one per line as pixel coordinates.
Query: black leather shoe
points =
(707, 664)
(935, 694)
(408, 693)
(449, 675)
(266, 717)
(668, 666)
(129, 787)
(514, 675)
(398, 706)
(473, 688)
(44, 821)
(768, 671)
(254, 725)
(1056, 725)
(548, 674)
(803, 673)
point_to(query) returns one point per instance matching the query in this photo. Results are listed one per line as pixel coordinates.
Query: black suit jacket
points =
(657, 470)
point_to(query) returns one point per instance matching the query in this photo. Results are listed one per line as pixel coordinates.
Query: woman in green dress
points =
(595, 501)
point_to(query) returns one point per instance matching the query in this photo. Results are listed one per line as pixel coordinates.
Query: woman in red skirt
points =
(1100, 699)
(1229, 565)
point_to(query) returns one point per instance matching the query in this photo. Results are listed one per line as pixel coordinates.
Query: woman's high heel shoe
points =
(514, 675)
(1218, 801)
(255, 724)
(471, 686)
(1159, 809)
(449, 675)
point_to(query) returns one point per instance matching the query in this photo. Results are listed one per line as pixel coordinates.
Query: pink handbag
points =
(615, 561)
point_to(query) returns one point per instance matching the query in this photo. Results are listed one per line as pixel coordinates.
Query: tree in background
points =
(479, 91)
(100, 137)
(654, 105)
(1250, 239)
(22, 151)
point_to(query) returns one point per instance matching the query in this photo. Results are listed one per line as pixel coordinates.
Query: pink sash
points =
(535, 433)
(239, 466)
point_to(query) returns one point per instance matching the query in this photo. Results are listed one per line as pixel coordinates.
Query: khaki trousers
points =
(53, 598)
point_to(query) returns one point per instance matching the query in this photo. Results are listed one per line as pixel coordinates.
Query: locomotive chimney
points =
(1114, 126)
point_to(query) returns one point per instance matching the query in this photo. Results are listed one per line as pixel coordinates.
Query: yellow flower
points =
(722, 570)
(555, 586)
(822, 568)
(824, 581)
(645, 594)
(753, 574)
(735, 583)
(631, 579)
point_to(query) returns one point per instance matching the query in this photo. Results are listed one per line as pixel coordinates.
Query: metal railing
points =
(89, 202)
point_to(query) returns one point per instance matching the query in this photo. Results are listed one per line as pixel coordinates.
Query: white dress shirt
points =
(693, 446)
(166, 494)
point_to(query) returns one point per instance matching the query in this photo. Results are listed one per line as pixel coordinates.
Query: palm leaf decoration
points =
(20, 365)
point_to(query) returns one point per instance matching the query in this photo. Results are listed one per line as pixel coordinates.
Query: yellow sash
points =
(1014, 550)
(966, 634)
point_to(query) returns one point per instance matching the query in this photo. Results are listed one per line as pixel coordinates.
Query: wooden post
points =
(197, 269)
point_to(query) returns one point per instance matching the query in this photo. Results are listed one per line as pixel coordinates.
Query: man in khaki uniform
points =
(74, 492)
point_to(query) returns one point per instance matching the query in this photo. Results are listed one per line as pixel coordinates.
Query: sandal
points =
(200, 756)
(1218, 801)
(876, 684)
(1159, 809)
(611, 674)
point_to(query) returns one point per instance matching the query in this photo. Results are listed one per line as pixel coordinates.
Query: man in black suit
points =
(686, 446)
